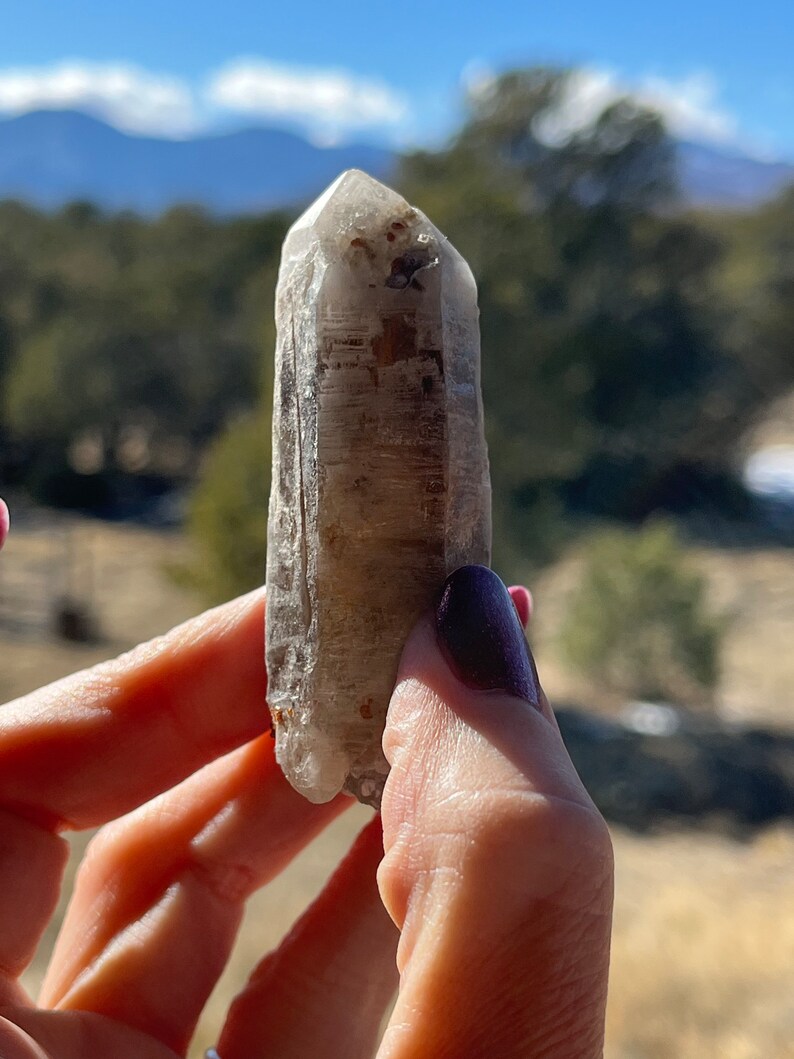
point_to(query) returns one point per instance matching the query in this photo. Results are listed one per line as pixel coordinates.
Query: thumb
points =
(498, 867)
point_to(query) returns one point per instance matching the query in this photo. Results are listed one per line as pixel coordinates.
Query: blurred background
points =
(621, 180)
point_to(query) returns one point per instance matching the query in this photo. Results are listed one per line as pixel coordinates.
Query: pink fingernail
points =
(522, 599)
(4, 522)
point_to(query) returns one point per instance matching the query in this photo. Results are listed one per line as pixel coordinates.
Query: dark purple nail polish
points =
(481, 636)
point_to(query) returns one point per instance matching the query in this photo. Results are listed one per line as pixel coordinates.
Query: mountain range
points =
(52, 157)
(49, 158)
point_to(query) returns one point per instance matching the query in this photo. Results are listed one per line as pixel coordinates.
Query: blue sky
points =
(370, 70)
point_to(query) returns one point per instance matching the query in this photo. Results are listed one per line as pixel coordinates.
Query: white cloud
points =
(330, 102)
(478, 78)
(690, 106)
(130, 98)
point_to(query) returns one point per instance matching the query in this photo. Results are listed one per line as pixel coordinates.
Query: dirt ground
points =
(703, 961)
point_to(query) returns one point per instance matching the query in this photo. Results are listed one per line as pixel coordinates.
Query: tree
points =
(600, 341)
(757, 280)
(228, 515)
(113, 324)
(525, 123)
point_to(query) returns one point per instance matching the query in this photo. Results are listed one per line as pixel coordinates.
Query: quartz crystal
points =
(380, 471)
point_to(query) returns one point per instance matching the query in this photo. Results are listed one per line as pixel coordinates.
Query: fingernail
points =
(481, 636)
(4, 522)
(522, 598)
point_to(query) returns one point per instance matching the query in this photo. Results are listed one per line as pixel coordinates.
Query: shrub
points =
(638, 620)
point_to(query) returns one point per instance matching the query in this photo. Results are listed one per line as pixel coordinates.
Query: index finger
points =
(96, 745)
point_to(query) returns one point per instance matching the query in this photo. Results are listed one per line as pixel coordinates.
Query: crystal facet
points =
(380, 470)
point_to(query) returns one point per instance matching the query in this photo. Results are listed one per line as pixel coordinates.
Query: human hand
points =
(498, 868)
(160, 895)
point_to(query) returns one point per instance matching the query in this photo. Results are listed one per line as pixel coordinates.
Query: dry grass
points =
(703, 948)
(703, 962)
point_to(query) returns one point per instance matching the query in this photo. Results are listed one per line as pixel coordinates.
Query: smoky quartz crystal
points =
(380, 472)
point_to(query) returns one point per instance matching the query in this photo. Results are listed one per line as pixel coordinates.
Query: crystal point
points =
(380, 471)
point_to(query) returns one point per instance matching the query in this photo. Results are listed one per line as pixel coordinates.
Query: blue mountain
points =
(49, 158)
(52, 157)
(729, 180)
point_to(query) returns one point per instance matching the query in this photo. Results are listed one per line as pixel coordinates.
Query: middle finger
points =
(161, 893)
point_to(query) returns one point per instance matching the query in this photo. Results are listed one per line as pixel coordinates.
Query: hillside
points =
(728, 179)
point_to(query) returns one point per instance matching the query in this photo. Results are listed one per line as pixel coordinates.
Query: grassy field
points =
(704, 929)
